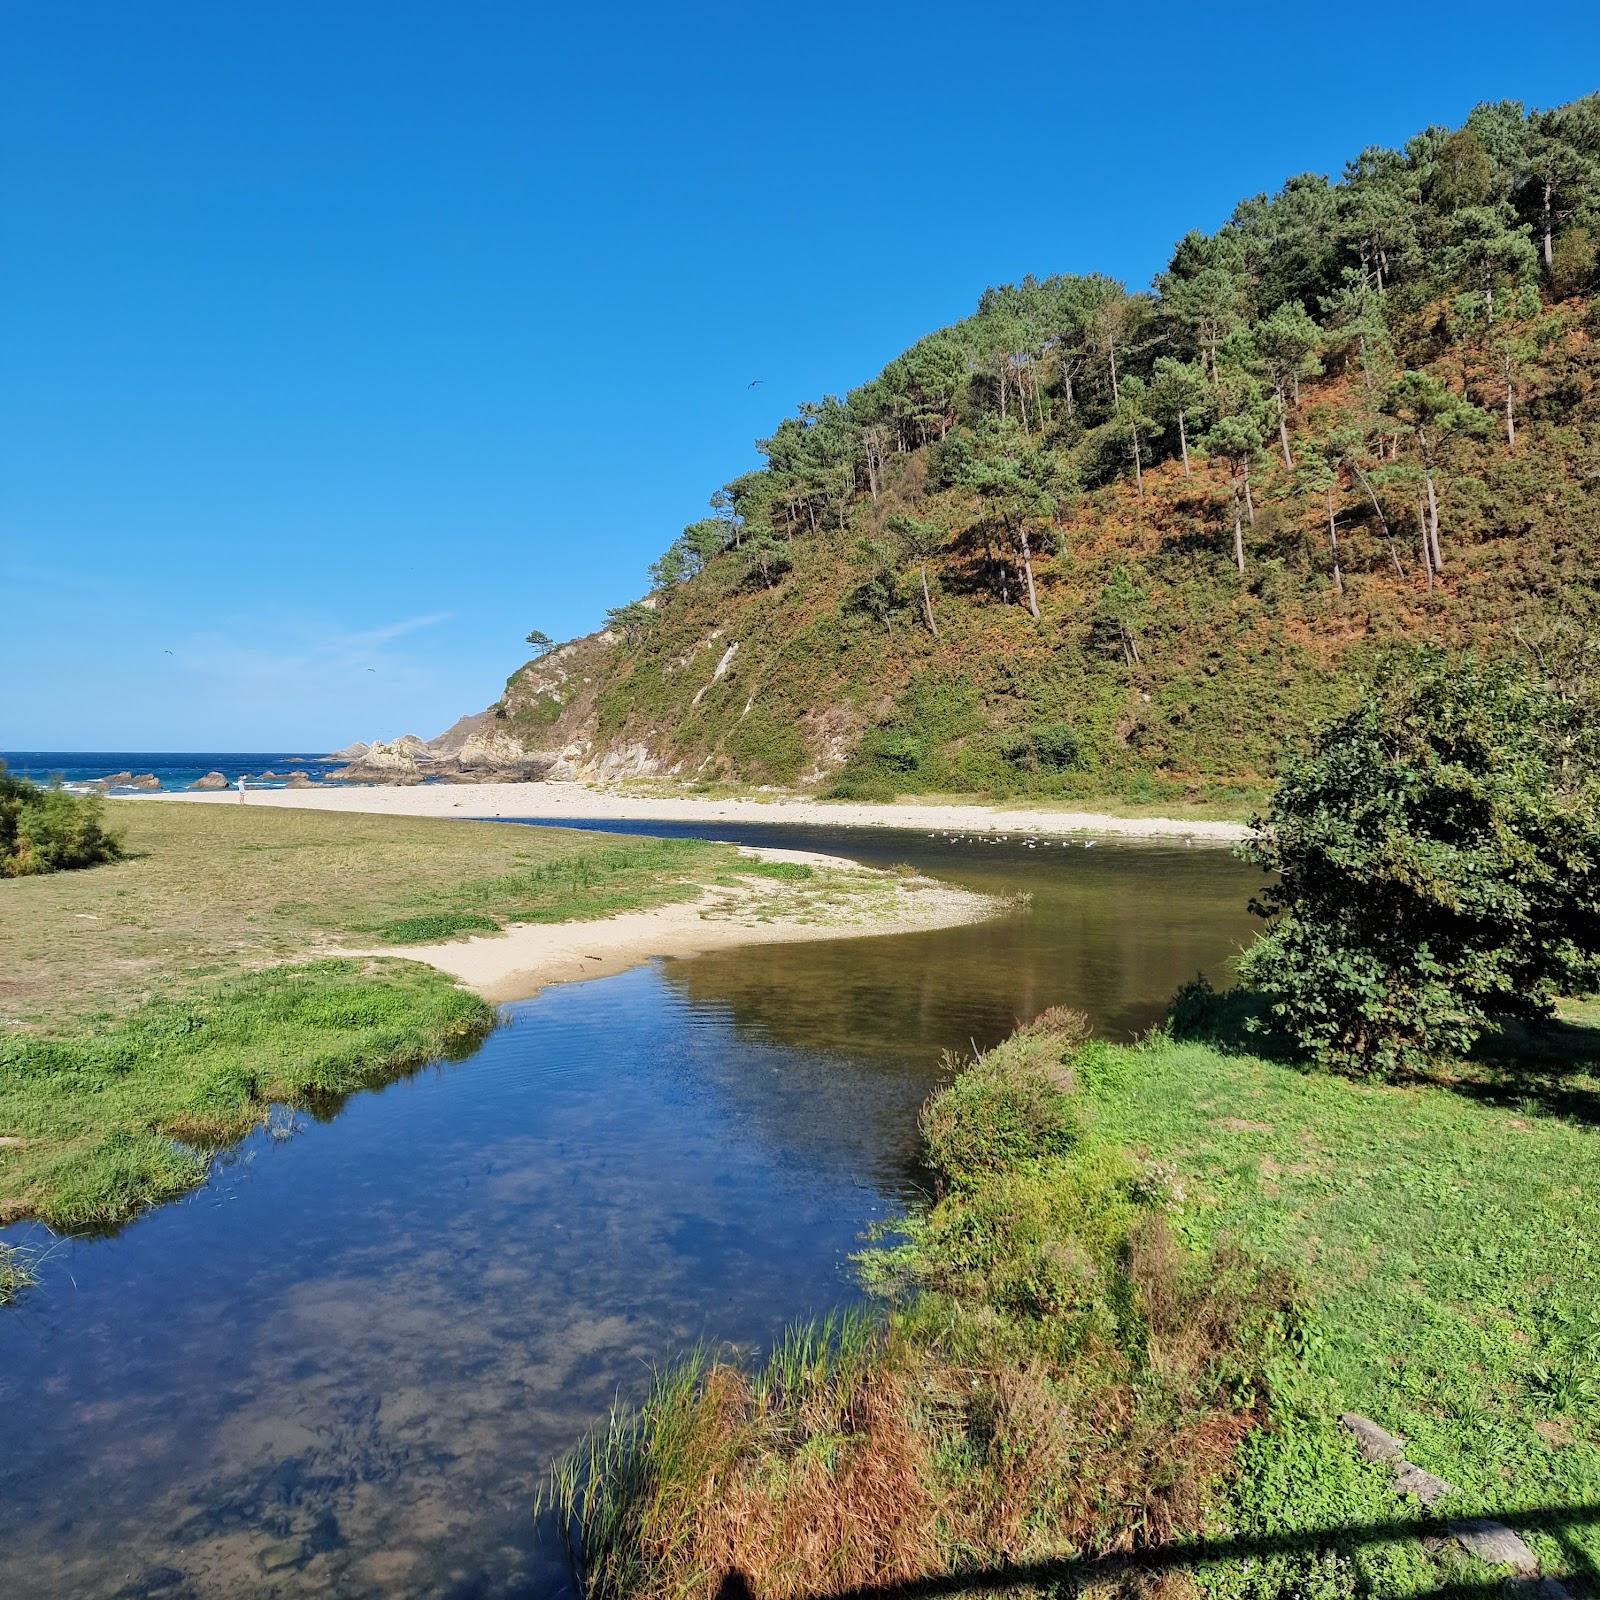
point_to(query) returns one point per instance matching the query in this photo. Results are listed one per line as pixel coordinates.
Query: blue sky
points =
(337, 336)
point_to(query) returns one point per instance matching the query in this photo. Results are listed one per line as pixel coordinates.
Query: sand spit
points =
(582, 803)
(845, 901)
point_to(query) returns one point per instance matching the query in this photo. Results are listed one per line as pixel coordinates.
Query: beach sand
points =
(527, 957)
(580, 802)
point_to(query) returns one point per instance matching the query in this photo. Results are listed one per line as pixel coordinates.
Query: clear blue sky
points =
(340, 335)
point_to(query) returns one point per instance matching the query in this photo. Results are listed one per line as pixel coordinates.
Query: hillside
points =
(1090, 542)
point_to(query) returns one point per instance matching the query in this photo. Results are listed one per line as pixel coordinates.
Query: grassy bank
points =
(112, 1119)
(1151, 1280)
(152, 1008)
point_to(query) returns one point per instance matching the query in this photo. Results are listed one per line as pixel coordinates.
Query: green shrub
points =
(1008, 1107)
(1437, 862)
(49, 830)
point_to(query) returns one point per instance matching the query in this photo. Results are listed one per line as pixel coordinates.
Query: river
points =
(342, 1367)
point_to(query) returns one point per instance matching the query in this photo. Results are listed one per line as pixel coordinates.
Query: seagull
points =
(372, 669)
(166, 652)
(752, 383)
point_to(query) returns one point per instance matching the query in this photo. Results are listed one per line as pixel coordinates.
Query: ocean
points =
(177, 769)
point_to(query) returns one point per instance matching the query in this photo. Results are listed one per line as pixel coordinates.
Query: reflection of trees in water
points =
(1113, 933)
(844, 1037)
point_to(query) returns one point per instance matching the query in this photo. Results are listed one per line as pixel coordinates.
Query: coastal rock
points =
(212, 780)
(116, 780)
(298, 780)
(351, 752)
(146, 780)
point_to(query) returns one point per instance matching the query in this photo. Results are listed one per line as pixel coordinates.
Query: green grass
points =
(152, 1009)
(205, 891)
(1151, 1280)
(119, 1117)
(1447, 1244)
(16, 1273)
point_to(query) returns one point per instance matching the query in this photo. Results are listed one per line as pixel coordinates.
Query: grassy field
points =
(210, 891)
(1448, 1237)
(153, 1008)
(1151, 1280)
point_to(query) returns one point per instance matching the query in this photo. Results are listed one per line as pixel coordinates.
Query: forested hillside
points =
(1096, 542)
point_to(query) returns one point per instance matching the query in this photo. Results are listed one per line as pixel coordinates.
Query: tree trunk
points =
(927, 601)
(1511, 420)
(1111, 352)
(1027, 571)
(1427, 555)
(1238, 527)
(1433, 522)
(1545, 222)
(1183, 441)
(1283, 429)
(1249, 500)
(1333, 545)
(1138, 464)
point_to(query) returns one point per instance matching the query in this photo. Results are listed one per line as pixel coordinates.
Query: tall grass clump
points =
(16, 1273)
(49, 830)
(1055, 1374)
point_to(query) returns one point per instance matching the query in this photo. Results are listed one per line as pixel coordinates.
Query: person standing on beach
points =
(241, 788)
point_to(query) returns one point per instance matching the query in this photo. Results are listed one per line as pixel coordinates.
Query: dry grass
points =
(1057, 1375)
(209, 891)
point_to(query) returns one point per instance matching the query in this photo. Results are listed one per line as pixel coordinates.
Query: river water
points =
(342, 1367)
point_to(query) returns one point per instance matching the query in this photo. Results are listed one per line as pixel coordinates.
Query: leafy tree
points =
(1424, 407)
(1120, 614)
(1135, 421)
(920, 540)
(1287, 343)
(1015, 484)
(1433, 870)
(1317, 476)
(1179, 398)
(879, 593)
(632, 621)
(540, 643)
(1237, 436)
(1560, 168)
(1486, 249)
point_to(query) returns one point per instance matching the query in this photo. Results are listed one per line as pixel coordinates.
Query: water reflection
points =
(341, 1367)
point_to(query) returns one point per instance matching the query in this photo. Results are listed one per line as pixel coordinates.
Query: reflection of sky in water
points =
(342, 1366)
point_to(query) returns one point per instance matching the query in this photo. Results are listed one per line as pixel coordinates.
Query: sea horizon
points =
(174, 769)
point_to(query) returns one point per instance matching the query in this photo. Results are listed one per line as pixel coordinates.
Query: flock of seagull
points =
(1000, 838)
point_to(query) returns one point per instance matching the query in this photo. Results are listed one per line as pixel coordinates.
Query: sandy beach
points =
(527, 957)
(580, 802)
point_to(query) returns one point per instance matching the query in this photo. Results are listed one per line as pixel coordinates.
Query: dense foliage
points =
(49, 830)
(1124, 541)
(1436, 854)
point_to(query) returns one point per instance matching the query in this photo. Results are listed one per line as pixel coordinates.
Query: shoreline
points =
(528, 957)
(557, 802)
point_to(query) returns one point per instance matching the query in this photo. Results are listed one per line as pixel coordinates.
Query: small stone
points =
(1372, 1441)
(1409, 1479)
(279, 1557)
(1495, 1543)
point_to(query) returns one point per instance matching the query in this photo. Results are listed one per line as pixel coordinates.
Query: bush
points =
(1047, 747)
(49, 830)
(1437, 854)
(1009, 1107)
